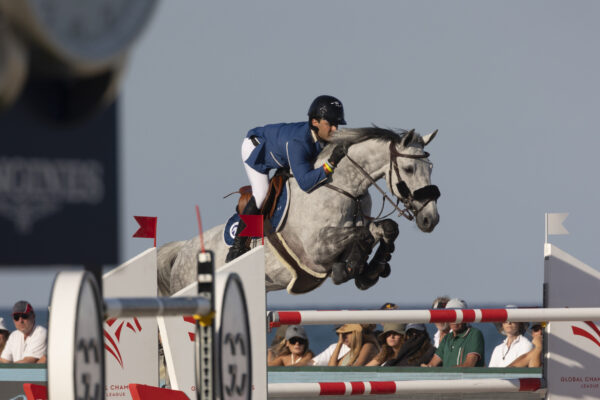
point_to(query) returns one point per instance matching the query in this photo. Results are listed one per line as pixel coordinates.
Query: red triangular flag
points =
(147, 228)
(254, 225)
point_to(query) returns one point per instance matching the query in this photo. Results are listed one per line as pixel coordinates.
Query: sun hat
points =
(418, 327)
(2, 326)
(22, 306)
(456, 303)
(349, 328)
(391, 327)
(295, 331)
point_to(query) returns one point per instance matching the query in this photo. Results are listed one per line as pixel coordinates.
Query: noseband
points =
(426, 194)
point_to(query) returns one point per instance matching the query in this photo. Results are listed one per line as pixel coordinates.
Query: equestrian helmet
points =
(328, 108)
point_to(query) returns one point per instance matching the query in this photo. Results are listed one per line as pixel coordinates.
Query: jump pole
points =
(317, 389)
(313, 317)
(155, 306)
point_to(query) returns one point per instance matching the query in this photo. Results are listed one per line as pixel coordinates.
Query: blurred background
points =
(512, 87)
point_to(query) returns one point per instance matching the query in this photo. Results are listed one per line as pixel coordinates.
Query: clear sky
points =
(513, 88)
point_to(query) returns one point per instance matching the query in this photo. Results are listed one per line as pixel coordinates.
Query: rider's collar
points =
(314, 136)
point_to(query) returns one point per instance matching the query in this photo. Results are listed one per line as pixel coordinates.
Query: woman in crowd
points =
(296, 353)
(278, 344)
(363, 345)
(417, 348)
(513, 346)
(392, 338)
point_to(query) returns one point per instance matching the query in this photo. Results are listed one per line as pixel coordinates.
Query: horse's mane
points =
(357, 135)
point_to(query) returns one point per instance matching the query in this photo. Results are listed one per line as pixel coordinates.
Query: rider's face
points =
(324, 128)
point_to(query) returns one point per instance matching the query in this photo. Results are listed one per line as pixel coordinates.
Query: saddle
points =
(276, 185)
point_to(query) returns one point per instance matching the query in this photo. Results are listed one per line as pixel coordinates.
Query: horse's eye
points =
(409, 170)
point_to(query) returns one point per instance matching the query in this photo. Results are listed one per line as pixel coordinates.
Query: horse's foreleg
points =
(354, 258)
(333, 241)
(387, 232)
(346, 249)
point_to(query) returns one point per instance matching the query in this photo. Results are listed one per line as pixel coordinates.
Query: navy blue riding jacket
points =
(288, 145)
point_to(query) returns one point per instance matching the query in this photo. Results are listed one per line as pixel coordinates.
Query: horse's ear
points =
(408, 138)
(429, 138)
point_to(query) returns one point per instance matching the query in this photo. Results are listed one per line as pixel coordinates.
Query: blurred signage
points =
(58, 187)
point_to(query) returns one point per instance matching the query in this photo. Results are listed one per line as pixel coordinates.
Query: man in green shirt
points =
(462, 347)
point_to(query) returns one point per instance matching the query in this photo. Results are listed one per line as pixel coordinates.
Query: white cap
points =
(2, 326)
(456, 303)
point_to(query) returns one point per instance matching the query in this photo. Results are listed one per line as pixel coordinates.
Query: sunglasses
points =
(536, 328)
(298, 340)
(16, 316)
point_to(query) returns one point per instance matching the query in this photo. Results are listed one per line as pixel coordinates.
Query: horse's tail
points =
(165, 257)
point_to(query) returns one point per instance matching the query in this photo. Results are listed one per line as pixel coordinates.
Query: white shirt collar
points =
(314, 136)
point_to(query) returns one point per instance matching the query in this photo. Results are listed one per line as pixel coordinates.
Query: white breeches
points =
(258, 181)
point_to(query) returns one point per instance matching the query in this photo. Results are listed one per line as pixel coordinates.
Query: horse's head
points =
(409, 178)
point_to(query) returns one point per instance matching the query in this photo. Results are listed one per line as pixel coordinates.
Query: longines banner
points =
(58, 189)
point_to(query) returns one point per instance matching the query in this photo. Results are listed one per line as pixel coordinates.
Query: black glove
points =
(337, 154)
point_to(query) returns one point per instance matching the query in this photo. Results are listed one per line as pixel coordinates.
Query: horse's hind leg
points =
(387, 232)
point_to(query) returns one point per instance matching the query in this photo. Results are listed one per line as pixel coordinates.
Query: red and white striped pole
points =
(317, 389)
(313, 317)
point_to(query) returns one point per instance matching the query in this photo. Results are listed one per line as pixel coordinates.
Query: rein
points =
(429, 192)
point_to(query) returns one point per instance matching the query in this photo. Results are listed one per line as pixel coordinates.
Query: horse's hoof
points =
(338, 274)
(390, 229)
(386, 271)
(364, 284)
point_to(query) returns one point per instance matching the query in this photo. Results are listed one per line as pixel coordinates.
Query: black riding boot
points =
(241, 243)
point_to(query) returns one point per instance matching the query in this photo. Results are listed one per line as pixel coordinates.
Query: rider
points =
(295, 146)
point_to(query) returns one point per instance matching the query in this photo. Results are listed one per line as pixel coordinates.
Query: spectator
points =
(386, 306)
(442, 327)
(296, 353)
(27, 344)
(513, 346)
(392, 339)
(278, 345)
(4, 333)
(363, 346)
(462, 347)
(533, 358)
(323, 357)
(417, 348)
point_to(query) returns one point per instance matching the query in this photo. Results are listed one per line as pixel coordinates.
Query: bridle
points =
(426, 194)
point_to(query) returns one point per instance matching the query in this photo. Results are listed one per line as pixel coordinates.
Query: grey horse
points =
(329, 232)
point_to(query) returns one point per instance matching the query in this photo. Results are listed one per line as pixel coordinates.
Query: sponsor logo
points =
(36, 188)
(587, 334)
(112, 335)
(233, 229)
